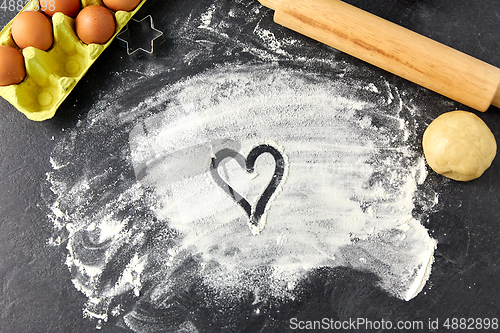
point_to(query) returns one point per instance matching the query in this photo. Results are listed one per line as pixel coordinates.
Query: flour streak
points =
(150, 213)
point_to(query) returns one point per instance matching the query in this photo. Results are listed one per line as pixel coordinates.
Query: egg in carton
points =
(51, 75)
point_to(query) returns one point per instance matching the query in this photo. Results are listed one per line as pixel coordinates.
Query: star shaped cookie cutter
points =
(140, 37)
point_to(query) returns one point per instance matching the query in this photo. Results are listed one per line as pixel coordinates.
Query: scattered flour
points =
(144, 210)
(132, 198)
(348, 194)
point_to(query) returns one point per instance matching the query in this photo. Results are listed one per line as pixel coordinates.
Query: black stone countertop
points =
(37, 294)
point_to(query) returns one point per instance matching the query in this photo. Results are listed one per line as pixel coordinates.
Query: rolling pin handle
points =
(393, 48)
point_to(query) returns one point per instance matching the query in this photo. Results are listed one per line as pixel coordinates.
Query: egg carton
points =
(51, 75)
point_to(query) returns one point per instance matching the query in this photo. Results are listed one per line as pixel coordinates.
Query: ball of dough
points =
(459, 145)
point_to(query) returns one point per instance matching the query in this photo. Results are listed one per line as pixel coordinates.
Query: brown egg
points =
(95, 25)
(32, 29)
(67, 7)
(12, 69)
(125, 5)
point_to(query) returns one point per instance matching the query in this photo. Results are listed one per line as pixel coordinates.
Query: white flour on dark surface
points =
(146, 211)
(147, 228)
(349, 188)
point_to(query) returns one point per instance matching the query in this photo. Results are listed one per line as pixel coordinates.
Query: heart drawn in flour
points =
(257, 211)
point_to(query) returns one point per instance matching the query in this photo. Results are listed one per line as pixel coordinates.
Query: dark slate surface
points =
(37, 294)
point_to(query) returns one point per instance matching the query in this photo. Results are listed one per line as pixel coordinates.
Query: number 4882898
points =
(18, 5)
(471, 323)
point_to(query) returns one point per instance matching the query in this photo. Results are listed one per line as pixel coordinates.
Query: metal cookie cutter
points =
(140, 37)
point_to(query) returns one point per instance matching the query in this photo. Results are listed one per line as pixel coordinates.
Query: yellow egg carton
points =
(51, 75)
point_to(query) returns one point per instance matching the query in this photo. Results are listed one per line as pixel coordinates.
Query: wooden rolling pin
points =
(393, 48)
